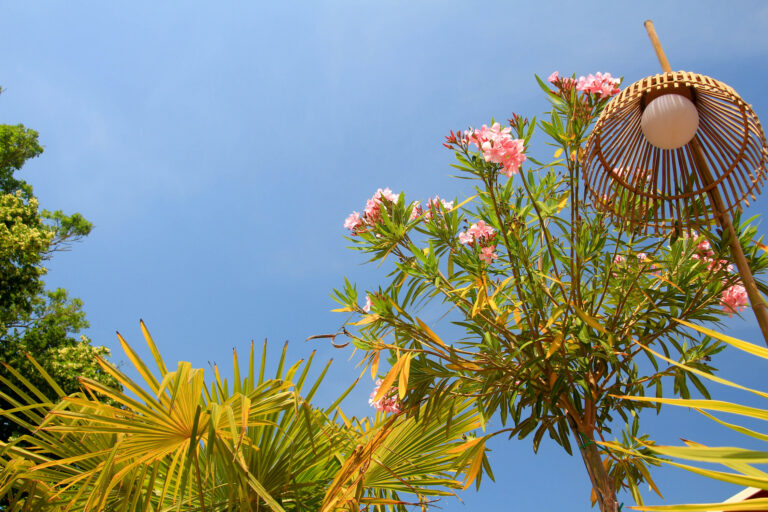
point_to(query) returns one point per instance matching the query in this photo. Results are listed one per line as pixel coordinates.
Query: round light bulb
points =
(670, 121)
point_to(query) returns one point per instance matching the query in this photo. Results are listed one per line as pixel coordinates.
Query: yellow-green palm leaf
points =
(738, 460)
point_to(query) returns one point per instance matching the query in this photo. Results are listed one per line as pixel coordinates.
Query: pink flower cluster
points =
(734, 298)
(372, 213)
(497, 146)
(437, 206)
(620, 260)
(602, 85)
(416, 211)
(434, 206)
(368, 304)
(483, 235)
(390, 402)
(705, 255)
(563, 82)
(480, 231)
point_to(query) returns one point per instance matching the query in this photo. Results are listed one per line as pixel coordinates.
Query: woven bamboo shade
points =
(660, 189)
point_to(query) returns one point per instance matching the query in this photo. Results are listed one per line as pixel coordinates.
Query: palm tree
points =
(175, 442)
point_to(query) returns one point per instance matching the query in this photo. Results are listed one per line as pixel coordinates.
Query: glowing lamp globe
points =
(670, 121)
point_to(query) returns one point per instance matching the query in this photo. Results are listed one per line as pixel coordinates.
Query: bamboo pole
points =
(657, 46)
(722, 214)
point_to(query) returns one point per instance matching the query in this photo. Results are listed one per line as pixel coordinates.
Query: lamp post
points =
(671, 143)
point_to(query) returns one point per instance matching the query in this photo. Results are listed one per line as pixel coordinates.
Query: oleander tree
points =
(547, 303)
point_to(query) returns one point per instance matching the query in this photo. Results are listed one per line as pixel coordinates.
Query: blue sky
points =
(218, 147)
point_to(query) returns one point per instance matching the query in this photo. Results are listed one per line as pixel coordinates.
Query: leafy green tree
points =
(34, 320)
(551, 302)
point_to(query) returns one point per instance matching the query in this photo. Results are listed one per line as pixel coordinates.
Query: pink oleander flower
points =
(642, 256)
(599, 84)
(734, 299)
(487, 254)
(368, 304)
(388, 403)
(509, 153)
(497, 146)
(353, 222)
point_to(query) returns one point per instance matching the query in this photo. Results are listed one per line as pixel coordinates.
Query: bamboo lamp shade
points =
(661, 189)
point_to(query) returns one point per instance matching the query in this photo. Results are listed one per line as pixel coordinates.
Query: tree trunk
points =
(601, 481)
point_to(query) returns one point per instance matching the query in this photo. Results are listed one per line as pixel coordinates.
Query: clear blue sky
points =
(218, 147)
